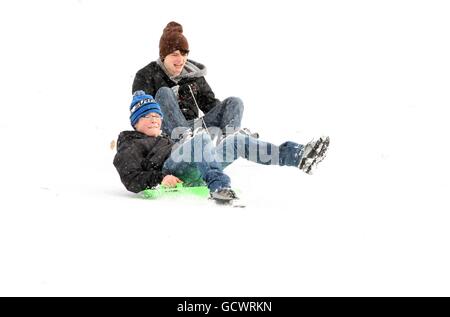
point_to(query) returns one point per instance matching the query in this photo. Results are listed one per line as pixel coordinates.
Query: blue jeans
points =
(197, 161)
(226, 114)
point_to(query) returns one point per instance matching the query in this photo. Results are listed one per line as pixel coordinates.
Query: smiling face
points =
(150, 124)
(174, 62)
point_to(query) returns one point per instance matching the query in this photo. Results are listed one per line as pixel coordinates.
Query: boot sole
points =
(321, 149)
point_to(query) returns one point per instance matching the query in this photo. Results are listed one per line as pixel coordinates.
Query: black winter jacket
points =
(152, 77)
(140, 158)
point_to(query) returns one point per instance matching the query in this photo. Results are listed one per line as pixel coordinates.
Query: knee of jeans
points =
(164, 92)
(235, 101)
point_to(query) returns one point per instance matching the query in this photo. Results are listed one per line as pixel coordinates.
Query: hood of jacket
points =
(126, 136)
(130, 135)
(191, 69)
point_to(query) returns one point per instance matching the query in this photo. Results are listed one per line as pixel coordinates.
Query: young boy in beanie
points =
(146, 157)
(179, 86)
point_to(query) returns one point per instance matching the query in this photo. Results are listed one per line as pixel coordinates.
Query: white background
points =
(372, 221)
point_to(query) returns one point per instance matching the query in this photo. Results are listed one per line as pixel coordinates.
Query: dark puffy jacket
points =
(140, 158)
(152, 77)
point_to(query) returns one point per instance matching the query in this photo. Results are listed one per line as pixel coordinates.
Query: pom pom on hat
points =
(173, 27)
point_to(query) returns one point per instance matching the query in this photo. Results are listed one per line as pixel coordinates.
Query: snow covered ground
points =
(373, 220)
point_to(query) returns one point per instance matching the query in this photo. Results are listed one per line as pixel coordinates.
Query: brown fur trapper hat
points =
(172, 39)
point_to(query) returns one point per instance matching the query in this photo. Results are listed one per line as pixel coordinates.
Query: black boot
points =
(223, 195)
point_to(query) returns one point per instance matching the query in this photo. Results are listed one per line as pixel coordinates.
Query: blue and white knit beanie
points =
(141, 105)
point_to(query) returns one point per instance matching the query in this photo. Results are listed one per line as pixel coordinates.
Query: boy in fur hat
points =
(179, 86)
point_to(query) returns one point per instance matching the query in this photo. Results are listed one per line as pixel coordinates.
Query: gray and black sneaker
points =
(187, 134)
(223, 195)
(314, 153)
(245, 131)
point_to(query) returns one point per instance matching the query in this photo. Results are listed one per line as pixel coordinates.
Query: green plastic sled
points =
(179, 190)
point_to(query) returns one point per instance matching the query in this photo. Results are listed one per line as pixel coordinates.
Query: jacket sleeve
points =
(131, 169)
(207, 99)
(143, 81)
